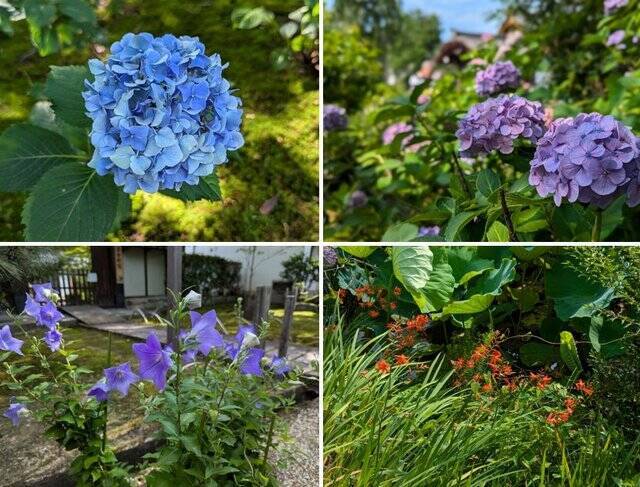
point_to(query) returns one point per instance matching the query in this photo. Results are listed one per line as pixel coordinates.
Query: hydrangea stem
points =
(597, 227)
(463, 180)
(513, 237)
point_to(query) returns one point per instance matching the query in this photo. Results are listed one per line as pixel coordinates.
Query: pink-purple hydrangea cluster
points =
(334, 118)
(163, 114)
(592, 158)
(497, 78)
(497, 122)
(330, 256)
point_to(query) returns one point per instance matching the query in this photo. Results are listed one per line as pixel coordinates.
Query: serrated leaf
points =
(498, 232)
(207, 189)
(71, 203)
(27, 152)
(64, 88)
(487, 182)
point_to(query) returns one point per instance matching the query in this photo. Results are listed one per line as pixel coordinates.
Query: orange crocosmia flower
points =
(584, 388)
(402, 360)
(397, 291)
(374, 313)
(393, 305)
(570, 404)
(543, 382)
(506, 370)
(470, 364)
(487, 387)
(342, 293)
(383, 366)
(459, 363)
(552, 419)
(476, 378)
(480, 352)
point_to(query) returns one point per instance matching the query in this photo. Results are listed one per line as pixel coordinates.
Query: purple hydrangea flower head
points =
(120, 378)
(497, 122)
(280, 366)
(251, 363)
(334, 118)
(53, 338)
(357, 199)
(611, 6)
(616, 38)
(99, 391)
(14, 412)
(204, 333)
(49, 316)
(591, 158)
(154, 361)
(8, 343)
(433, 231)
(330, 256)
(496, 78)
(163, 114)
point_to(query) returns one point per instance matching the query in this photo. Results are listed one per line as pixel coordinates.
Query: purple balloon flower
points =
(496, 123)
(251, 363)
(433, 231)
(280, 366)
(8, 343)
(154, 361)
(49, 316)
(612, 5)
(203, 330)
(334, 118)
(53, 338)
(32, 307)
(42, 292)
(120, 378)
(592, 158)
(14, 412)
(99, 391)
(497, 77)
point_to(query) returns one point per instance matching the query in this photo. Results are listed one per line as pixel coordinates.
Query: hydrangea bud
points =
(591, 158)
(497, 122)
(163, 114)
(496, 78)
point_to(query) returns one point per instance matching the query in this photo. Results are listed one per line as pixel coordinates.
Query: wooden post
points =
(290, 299)
(174, 281)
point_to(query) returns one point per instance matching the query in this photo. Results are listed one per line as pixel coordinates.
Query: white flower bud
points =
(193, 299)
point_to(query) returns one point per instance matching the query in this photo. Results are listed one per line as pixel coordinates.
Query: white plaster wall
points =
(268, 261)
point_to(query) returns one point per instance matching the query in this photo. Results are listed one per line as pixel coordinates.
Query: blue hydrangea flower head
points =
(154, 361)
(334, 118)
(15, 410)
(591, 158)
(8, 342)
(120, 378)
(497, 78)
(163, 114)
(497, 122)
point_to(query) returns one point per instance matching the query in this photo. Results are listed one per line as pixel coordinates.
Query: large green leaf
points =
(487, 182)
(401, 232)
(480, 296)
(441, 283)
(207, 189)
(498, 232)
(412, 267)
(465, 264)
(536, 354)
(457, 224)
(71, 203)
(606, 336)
(64, 88)
(27, 152)
(573, 295)
(361, 252)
